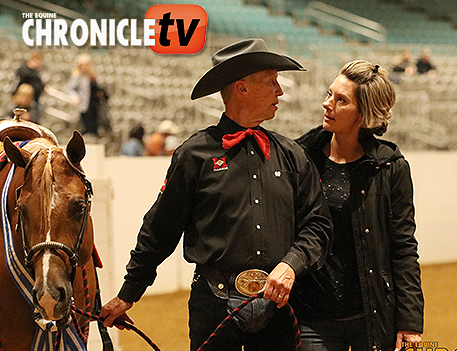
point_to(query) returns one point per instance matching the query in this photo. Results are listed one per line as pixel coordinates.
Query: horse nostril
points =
(62, 295)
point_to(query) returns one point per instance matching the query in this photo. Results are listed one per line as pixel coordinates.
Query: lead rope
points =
(238, 309)
(83, 332)
(118, 322)
(213, 335)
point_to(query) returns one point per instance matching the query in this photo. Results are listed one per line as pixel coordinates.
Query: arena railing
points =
(346, 21)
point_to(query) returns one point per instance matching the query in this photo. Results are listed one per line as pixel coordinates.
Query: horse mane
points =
(46, 148)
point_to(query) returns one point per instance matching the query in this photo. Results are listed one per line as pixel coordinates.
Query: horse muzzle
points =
(53, 304)
(52, 292)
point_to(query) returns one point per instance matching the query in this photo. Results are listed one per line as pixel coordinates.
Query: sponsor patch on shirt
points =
(220, 164)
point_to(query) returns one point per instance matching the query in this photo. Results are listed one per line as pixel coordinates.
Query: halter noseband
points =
(71, 253)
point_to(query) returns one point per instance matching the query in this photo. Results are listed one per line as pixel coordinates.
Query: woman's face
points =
(341, 113)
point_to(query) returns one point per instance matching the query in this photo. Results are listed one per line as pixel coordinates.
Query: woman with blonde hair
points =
(83, 90)
(368, 295)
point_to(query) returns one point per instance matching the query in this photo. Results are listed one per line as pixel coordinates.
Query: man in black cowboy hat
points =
(249, 203)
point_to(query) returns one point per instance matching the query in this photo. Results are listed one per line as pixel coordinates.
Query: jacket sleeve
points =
(313, 222)
(404, 255)
(162, 228)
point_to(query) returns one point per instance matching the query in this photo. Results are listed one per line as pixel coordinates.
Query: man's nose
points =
(279, 90)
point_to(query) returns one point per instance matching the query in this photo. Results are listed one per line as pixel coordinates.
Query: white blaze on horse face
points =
(49, 203)
(49, 193)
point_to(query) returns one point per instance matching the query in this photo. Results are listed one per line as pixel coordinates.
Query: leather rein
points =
(72, 253)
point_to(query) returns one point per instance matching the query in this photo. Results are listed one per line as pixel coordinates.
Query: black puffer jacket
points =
(383, 223)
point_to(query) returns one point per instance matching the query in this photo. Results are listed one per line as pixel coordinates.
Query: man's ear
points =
(241, 87)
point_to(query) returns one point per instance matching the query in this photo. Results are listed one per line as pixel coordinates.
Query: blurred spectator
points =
(28, 73)
(405, 63)
(104, 117)
(423, 64)
(163, 141)
(83, 90)
(24, 98)
(134, 146)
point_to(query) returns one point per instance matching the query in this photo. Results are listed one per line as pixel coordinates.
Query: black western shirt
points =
(237, 209)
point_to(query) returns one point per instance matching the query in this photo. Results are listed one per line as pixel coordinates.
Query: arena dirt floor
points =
(164, 317)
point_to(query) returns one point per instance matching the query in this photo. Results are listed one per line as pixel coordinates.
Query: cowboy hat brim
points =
(241, 66)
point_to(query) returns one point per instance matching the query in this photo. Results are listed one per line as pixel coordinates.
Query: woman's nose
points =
(326, 104)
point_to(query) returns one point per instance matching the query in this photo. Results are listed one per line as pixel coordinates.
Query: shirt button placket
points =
(254, 170)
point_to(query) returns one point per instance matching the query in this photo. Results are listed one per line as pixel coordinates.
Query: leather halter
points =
(71, 253)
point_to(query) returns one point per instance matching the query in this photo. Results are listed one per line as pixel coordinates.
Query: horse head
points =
(53, 218)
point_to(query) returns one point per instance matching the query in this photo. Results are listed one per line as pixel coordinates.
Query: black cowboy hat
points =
(240, 60)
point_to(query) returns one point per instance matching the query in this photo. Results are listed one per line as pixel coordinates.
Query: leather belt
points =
(217, 281)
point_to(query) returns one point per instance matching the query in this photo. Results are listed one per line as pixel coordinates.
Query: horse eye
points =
(76, 207)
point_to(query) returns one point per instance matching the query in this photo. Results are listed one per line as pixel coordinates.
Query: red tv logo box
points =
(179, 29)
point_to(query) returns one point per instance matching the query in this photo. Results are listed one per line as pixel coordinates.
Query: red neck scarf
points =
(230, 140)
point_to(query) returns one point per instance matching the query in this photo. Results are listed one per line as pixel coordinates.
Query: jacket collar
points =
(379, 152)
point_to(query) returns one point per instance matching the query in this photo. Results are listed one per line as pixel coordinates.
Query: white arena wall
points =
(125, 188)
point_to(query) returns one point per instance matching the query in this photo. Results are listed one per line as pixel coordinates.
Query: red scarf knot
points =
(230, 140)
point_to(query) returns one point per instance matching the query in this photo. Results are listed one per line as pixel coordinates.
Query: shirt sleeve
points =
(162, 228)
(404, 255)
(313, 222)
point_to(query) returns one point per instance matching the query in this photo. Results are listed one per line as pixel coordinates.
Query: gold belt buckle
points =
(251, 282)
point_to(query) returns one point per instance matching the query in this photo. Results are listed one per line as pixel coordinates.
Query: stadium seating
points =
(403, 22)
(147, 87)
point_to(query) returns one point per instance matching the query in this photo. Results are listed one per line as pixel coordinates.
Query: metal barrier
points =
(346, 21)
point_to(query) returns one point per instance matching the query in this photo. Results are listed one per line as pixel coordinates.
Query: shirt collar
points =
(229, 126)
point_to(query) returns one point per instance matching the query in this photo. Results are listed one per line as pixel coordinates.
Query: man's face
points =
(262, 95)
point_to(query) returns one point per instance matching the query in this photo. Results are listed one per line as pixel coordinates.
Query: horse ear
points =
(76, 149)
(18, 156)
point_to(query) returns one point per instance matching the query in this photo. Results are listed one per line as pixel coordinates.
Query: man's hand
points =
(279, 284)
(114, 309)
(408, 336)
